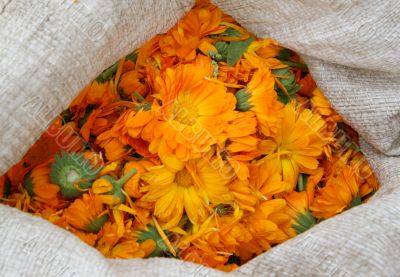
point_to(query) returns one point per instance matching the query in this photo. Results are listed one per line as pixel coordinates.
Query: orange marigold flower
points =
(132, 249)
(39, 186)
(87, 213)
(298, 206)
(266, 226)
(266, 180)
(194, 113)
(339, 193)
(298, 143)
(190, 186)
(260, 97)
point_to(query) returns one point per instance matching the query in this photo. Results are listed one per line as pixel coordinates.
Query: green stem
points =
(119, 183)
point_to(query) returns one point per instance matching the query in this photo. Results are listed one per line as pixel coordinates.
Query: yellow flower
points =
(298, 206)
(124, 136)
(87, 213)
(266, 226)
(191, 33)
(339, 193)
(194, 113)
(220, 233)
(132, 186)
(40, 187)
(260, 97)
(243, 195)
(190, 186)
(266, 180)
(298, 144)
(132, 249)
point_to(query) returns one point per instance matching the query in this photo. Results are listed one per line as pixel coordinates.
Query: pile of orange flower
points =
(207, 144)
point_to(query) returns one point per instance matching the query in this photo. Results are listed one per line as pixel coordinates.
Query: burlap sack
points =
(49, 50)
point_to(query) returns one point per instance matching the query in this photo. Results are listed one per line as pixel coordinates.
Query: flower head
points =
(193, 115)
(339, 193)
(87, 213)
(298, 143)
(190, 186)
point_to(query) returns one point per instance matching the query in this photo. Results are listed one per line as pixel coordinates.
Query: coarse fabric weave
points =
(51, 49)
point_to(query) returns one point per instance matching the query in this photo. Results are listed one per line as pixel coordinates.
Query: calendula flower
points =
(266, 228)
(132, 186)
(132, 82)
(368, 183)
(260, 97)
(243, 195)
(97, 93)
(132, 249)
(339, 193)
(266, 180)
(299, 203)
(298, 143)
(108, 237)
(208, 257)
(191, 33)
(72, 173)
(190, 186)
(193, 115)
(219, 233)
(88, 238)
(242, 142)
(87, 213)
(207, 144)
(38, 184)
(124, 136)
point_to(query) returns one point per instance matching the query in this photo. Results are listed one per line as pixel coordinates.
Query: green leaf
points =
(132, 56)
(230, 32)
(222, 48)
(236, 50)
(284, 54)
(289, 83)
(108, 74)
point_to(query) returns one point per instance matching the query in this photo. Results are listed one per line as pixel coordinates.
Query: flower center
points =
(184, 111)
(183, 178)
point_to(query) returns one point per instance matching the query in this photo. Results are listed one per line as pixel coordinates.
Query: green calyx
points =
(355, 202)
(73, 174)
(242, 100)
(304, 221)
(151, 233)
(289, 83)
(28, 184)
(117, 184)
(96, 224)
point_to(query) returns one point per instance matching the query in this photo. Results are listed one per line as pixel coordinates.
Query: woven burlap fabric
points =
(50, 49)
